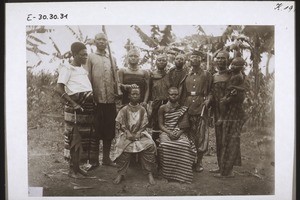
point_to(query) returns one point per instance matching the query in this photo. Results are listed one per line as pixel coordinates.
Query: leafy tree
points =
(158, 41)
(261, 40)
(33, 42)
(258, 40)
(200, 30)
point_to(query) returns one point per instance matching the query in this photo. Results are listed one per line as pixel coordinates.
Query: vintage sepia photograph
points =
(202, 114)
(150, 107)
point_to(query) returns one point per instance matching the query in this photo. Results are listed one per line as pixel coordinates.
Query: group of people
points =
(173, 104)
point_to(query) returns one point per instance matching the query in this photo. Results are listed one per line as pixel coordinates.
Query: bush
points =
(259, 105)
(41, 97)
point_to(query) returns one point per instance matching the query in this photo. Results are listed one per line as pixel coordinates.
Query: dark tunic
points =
(176, 78)
(196, 89)
(159, 85)
(138, 79)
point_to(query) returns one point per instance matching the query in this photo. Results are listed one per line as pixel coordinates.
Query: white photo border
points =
(148, 13)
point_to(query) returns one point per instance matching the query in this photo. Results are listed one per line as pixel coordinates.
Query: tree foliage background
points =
(238, 40)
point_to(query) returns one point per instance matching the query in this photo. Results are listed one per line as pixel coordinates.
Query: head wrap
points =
(181, 55)
(134, 52)
(225, 53)
(76, 47)
(238, 61)
(162, 56)
(100, 35)
(198, 53)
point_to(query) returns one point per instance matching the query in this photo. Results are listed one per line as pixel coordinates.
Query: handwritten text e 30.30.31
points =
(31, 17)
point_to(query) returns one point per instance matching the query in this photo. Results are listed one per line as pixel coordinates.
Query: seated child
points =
(131, 122)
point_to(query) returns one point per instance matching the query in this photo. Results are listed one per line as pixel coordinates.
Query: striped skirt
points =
(176, 160)
(85, 126)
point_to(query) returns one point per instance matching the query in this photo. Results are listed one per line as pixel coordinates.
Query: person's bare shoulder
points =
(163, 107)
(122, 70)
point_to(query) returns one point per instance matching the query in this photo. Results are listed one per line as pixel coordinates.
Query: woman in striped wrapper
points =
(177, 154)
(74, 87)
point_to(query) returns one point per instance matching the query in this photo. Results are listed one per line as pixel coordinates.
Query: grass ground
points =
(47, 168)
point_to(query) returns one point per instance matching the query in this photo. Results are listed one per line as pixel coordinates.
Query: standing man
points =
(197, 96)
(101, 74)
(159, 91)
(178, 73)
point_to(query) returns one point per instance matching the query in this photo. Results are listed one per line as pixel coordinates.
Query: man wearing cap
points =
(196, 93)
(100, 71)
(229, 128)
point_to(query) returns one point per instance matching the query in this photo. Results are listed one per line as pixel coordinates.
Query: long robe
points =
(228, 133)
(134, 119)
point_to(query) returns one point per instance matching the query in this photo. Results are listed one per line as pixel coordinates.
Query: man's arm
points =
(60, 90)
(161, 125)
(147, 78)
(88, 67)
(120, 75)
(209, 96)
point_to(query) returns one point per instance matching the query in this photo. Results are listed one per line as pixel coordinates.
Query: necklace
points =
(134, 111)
(134, 115)
(172, 106)
(133, 108)
(133, 69)
(178, 70)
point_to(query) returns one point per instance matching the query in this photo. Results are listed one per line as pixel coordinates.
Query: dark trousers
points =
(105, 124)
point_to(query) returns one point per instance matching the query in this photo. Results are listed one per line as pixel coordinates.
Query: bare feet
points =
(230, 175)
(72, 174)
(151, 179)
(118, 179)
(199, 169)
(215, 171)
(83, 172)
(109, 162)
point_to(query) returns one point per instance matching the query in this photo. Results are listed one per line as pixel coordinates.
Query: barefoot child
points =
(131, 122)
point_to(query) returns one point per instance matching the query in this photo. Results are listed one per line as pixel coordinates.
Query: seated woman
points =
(177, 154)
(131, 121)
(73, 85)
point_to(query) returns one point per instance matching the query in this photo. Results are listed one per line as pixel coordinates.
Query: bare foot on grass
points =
(151, 179)
(118, 179)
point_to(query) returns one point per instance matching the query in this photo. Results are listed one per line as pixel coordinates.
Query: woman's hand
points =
(77, 107)
(175, 134)
(129, 136)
